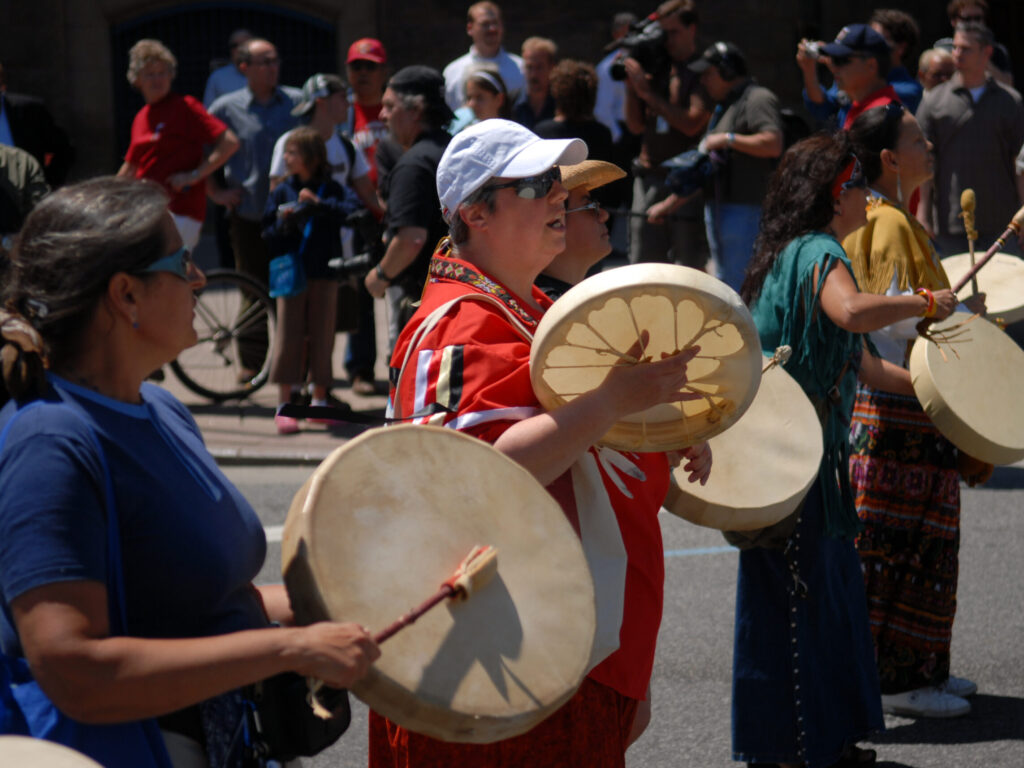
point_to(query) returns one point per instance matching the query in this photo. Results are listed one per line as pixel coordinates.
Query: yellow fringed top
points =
(893, 242)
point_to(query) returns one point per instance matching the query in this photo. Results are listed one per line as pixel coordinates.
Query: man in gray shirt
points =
(258, 114)
(976, 125)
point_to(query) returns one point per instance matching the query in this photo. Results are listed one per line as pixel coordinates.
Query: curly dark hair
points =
(874, 130)
(901, 28)
(574, 89)
(799, 201)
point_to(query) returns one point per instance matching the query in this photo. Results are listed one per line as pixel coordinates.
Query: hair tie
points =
(22, 358)
(17, 330)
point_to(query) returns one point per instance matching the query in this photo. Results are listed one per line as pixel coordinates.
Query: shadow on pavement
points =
(992, 718)
(233, 408)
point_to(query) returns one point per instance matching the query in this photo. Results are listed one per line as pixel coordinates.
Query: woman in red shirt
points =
(168, 137)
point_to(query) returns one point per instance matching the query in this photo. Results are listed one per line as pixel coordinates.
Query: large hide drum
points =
(1002, 282)
(593, 326)
(763, 466)
(968, 381)
(35, 753)
(384, 520)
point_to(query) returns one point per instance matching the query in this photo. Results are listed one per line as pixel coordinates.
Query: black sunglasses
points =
(842, 61)
(532, 187)
(362, 65)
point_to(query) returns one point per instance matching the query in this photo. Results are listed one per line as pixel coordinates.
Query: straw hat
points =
(590, 174)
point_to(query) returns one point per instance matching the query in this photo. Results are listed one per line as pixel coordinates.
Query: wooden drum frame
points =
(593, 325)
(384, 520)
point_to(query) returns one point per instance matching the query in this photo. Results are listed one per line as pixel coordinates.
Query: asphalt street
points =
(691, 687)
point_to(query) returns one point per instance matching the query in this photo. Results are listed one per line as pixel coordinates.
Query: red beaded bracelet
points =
(929, 311)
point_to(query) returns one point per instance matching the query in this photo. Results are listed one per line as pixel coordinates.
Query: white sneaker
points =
(958, 686)
(925, 702)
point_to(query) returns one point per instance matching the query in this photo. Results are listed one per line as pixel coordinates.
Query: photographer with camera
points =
(860, 59)
(663, 104)
(743, 140)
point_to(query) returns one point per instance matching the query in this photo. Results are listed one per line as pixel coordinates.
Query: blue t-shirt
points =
(191, 544)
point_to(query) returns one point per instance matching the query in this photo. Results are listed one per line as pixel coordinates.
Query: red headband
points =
(842, 182)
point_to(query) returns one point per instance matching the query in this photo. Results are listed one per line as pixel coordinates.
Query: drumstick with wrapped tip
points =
(478, 568)
(967, 206)
(1013, 229)
(475, 570)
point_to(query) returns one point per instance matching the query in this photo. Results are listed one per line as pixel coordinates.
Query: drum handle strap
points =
(431, 322)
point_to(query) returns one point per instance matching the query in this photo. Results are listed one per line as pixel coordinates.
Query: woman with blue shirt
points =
(99, 292)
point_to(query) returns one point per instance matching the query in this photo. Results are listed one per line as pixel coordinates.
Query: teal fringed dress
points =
(805, 684)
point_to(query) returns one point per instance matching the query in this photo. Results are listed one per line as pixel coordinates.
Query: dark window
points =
(197, 34)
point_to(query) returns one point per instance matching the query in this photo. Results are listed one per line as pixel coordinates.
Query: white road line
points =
(274, 536)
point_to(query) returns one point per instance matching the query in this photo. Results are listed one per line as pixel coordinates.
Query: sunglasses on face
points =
(842, 61)
(593, 205)
(362, 65)
(178, 263)
(533, 187)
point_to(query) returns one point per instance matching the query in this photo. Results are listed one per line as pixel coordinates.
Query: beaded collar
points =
(446, 268)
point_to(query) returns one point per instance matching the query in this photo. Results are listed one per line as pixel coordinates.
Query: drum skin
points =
(37, 753)
(384, 520)
(970, 388)
(594, 324)
(763, 465)
(1001, 280)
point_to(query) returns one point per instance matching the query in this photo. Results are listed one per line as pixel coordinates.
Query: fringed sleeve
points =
(825, 359)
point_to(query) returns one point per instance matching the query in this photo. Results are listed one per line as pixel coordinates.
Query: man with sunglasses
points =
(366, 66)
(977, 12)
(501, 194)
(257, 114)
(860, 59)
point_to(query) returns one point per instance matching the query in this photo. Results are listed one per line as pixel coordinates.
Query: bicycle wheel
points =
(235, 319)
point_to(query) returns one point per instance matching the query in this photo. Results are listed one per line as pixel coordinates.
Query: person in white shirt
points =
(610, 107)
(486, 29)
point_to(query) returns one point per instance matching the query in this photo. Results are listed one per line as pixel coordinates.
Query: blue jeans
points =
(361, 352)
(732, 229)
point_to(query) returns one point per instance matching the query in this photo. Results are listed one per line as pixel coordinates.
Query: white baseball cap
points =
(497, 148)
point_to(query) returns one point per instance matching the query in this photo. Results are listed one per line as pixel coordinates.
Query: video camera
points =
(357, 265)
(645, 42)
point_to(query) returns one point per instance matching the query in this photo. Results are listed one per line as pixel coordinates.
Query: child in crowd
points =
(303, 216)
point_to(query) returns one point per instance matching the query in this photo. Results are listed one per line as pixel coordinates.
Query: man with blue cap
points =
(859, 58)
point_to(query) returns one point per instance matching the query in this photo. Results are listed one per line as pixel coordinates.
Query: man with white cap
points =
(500, 190)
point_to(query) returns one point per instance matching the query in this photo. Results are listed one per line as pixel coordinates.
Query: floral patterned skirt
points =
(907, 490)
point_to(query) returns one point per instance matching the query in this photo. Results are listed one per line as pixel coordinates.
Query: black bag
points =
(689, 172)
(282, 724)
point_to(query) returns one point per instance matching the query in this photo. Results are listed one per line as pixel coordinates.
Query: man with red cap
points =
(366, 67)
